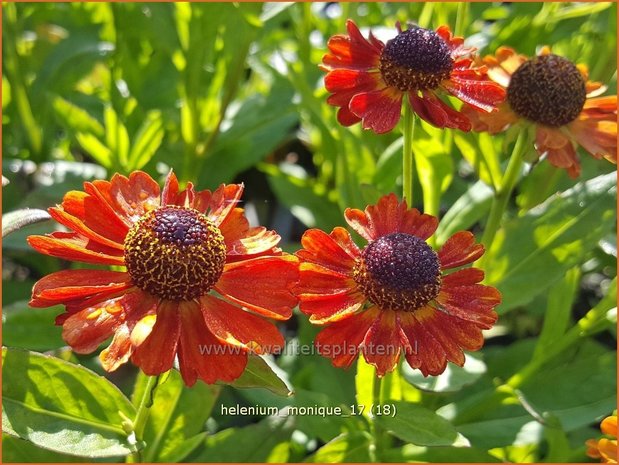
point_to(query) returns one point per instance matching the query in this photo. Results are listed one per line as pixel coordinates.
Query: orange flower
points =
(369, 79)
(394, 296)
(178, 247)
(555, 96)
(604, 448)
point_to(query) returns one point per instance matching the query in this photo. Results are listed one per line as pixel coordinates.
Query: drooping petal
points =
(390, 216)
(598, 137)
(425, 353)
(73, 246)
(346, 117)
(202, 356)
(156, 354)
(85, 330)
(236, 327)
(383, 342)
(138, 306)
(264, 285)
(341, 341)
(66, 285)
(482, 94)
(492, 123)
(332, 251)
(432, 109)
(459, 250)
(379, 110)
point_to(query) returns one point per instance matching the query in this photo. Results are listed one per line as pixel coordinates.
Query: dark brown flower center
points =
(398, 272)
(175, 253)
(416, 59)
(548, 90)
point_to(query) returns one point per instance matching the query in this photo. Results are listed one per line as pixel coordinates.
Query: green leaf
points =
(260, 374)
(20, 451)
(116, 135)
(250, 444)
(471, 207)
(146, 141)
(412, 453)
(62, 407)
(452, 379)
(31, 328)
(76, 118)
(175, 425)
(536, 249)
(479, 150)
(418, 425)
(15, 220)
(95, 148)
(351, 447)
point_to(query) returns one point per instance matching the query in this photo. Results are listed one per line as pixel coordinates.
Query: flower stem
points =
(407, 158)
(142, 415)
(375, 428)
(504, 192)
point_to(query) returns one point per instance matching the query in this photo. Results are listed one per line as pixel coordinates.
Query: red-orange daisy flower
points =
(199, 282)
(395, 295)
(369, 79)
(605, 449)
(557, 97)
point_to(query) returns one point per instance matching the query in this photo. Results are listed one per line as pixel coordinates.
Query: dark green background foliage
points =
(225, 92)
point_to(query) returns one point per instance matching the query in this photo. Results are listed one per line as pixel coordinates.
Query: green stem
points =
(375, 428)
(504, 192)
(407, 155)
(142, 415)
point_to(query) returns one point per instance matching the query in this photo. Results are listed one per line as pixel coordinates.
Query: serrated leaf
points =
(62, 407)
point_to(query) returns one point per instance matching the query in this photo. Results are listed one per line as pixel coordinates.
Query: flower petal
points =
(236, 327)
(424, 353)
(459, 250)
(383, 342)
(264, 285)
(341, 341)
(389, 216)
(72, 246)
(379, 110)
(352, 51)
(482, 94)
(329, 308)
(243, 241)
(79, 227)
(131, 197)
(66, 285)
(95, 213)
(333, 251)
(474, 303)
(85, 330)
(463, 277)
(138, 306)
(436, 112)
(170, 190)
(598, 137)
(202, 356)
(156, 354)
(223, 201)
(492, 123)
